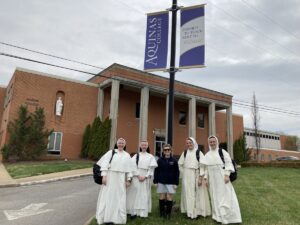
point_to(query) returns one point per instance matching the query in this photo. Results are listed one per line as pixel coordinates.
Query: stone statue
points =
(59, 106)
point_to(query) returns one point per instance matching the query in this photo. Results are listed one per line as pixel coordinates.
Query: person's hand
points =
(226, 179)
(104, 180)
(205, 182)
(141, 178)
(200, 181)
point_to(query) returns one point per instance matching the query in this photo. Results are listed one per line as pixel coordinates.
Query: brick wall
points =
(35, 90)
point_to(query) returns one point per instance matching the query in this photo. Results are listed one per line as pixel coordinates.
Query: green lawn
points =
(267, 196)
(27, 169)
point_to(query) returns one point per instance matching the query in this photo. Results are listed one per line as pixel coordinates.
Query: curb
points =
(44, 181)
(9, 185)
(89, 221)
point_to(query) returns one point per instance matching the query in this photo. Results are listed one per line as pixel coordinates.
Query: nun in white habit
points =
(111, 206)
(139, 193)
(225, 206)
(194, 195)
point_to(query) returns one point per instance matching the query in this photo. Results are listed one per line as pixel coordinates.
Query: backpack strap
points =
(197, 154)
(112, 155)
(184, 154)
(137, 158)
(222, 156)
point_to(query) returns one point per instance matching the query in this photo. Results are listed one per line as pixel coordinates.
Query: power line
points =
(263, 50)
(252, 28)
(46, 54)
(238, 103)
(267, 110)
(269, 18)
(44, 63)
(290, 111)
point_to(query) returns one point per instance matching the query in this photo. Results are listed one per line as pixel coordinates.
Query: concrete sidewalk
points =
(7, 181)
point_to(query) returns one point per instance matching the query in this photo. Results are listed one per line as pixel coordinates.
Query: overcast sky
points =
(252, 46)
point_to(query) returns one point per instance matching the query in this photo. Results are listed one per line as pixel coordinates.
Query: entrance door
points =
(159, 142)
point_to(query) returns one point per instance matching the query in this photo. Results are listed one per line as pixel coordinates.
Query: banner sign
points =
(192, 48)
(156, 50)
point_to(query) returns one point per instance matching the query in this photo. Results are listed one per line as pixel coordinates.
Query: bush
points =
(27, 135)
(240, 152)
(96, 139)
(5, 152)
(85, 142)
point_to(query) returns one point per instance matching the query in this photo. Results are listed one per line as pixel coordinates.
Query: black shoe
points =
(133, 217)
(169, 205)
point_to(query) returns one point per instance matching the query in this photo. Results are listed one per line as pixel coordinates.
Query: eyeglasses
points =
(167, 149)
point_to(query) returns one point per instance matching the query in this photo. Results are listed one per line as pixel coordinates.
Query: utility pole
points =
(172, 70)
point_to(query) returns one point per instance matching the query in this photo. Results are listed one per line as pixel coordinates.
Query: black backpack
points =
(197, 154)
(97, 170)
(233, 175)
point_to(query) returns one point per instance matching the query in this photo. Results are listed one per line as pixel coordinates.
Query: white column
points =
(144, 113)
(100, 103)
(167, 110)
(212, 118)
(113, 112)
(229, 131)
(192, 117)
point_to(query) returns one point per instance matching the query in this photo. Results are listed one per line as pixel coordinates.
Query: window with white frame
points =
(54, 143)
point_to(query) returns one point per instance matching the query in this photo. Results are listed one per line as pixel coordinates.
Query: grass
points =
(28, 169)
(267, 196)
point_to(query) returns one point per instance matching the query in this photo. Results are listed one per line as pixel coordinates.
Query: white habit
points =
(111, 205)
(139, 193)
(194, 199)
(225, 206)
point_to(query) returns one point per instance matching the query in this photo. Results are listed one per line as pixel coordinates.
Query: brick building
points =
(271, 145)
(135, 101)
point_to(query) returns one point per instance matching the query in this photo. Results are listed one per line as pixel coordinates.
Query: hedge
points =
(285, 164)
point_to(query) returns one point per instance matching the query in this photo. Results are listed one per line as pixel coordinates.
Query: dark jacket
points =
(167, 171)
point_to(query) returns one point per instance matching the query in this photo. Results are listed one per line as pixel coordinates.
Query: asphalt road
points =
(68, 202)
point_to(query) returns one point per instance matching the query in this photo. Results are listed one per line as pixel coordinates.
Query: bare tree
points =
(256, 120)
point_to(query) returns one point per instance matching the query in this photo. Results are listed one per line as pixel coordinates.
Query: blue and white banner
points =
(156, 50)
(192, 48)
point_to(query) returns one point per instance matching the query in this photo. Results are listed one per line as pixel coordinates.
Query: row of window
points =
(262, 157)
(262, 135)
(182, 117)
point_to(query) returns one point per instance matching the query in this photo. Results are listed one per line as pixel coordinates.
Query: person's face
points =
(167, 152)
(121, 144)
(144, 145)
(212, 143)
(189, 144)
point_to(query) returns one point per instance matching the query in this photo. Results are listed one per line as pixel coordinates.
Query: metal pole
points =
(172, 73)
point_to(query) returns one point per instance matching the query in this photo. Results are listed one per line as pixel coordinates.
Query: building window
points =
(270, 157)
(54, 144)
(200, 120)
(182, 118)
(262, 157)
(137, 110)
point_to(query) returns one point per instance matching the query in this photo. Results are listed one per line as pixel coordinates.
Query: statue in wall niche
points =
(59, 107)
